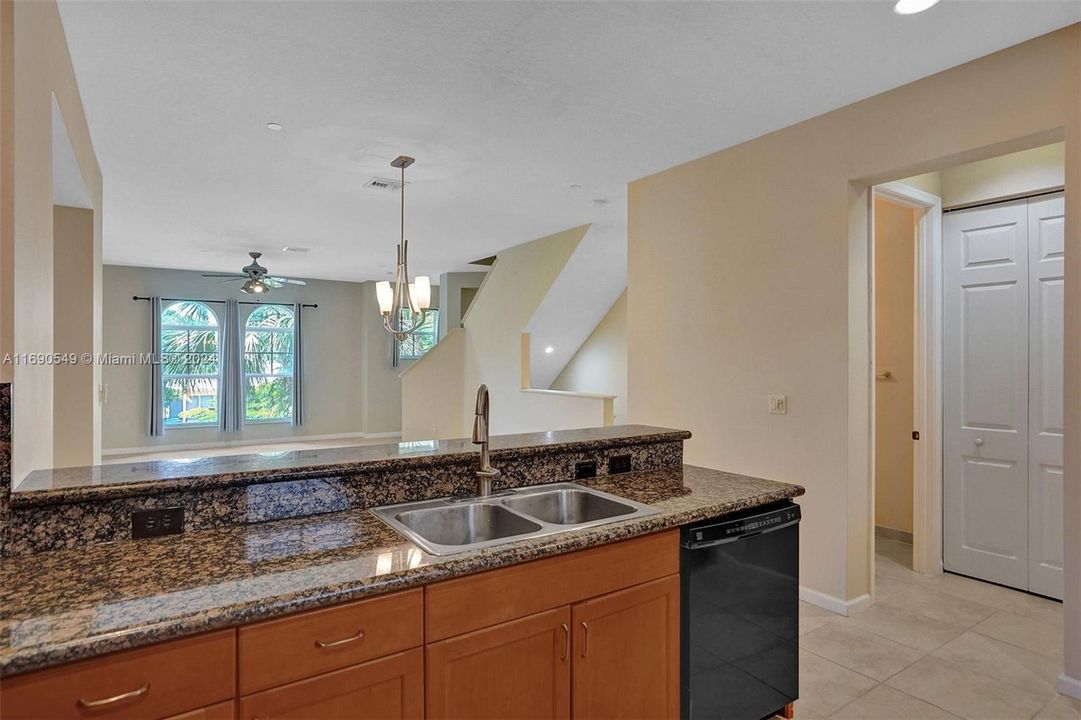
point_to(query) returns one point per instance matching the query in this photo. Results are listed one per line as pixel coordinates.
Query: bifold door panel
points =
(1002, 392)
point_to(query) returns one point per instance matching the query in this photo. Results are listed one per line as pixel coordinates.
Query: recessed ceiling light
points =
(549, 350)
(295, 249)
(576, 186)
(911, 7)
(274, 126)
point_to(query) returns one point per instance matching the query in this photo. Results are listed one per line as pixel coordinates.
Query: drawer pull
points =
(566, 641)
(585, 639)
(324, 644)
(104, 702)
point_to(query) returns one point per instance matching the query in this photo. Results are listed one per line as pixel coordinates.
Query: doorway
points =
(973, 297)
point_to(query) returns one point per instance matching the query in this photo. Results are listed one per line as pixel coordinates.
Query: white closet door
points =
(985, 393)
(1047, 241)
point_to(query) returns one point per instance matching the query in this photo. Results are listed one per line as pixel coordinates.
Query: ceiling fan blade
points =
(287, 281)
(232, 279)
(226, 275)
(273, 282)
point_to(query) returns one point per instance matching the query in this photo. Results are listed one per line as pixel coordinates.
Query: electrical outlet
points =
(157, 522)
(778, 404)
(619, 464)
(585, 469)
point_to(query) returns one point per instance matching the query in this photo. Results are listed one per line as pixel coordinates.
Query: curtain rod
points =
(241, 302)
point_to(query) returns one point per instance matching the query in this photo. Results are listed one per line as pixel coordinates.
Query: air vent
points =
(387, 184)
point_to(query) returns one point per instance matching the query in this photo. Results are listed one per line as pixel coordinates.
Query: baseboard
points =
(891, 534)
(251, 441)
(1069, 686)
(832, 603)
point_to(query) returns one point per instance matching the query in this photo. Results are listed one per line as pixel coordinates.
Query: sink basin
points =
(453, 525)
(568, 507)
(465, 524)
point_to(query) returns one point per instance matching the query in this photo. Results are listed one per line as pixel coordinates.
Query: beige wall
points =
(75, 400)
(438, 391)
(999, 178)
(895, 277)
(767, 290)
(455, 292)
(350, 387)
(42, 69)
(600, 365)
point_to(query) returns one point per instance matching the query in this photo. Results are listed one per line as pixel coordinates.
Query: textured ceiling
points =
(504, 105)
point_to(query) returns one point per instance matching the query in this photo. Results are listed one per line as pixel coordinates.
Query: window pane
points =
(188, 313)
(268, 399)
(283, 342)
(283, 364)
(258, 364)
(280, 316)
(421, 340)
(190, 401)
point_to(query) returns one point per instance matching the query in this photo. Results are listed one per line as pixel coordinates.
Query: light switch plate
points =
(778, 404)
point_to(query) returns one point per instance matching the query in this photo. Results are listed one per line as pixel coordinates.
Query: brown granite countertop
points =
(71, 604)
(97, 482)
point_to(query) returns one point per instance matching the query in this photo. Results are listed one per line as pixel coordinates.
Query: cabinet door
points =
(626, 653)
(391, 687)
(220, 711)
(517, 669)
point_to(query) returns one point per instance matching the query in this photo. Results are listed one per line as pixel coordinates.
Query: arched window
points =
(268, 364)
(190, 364)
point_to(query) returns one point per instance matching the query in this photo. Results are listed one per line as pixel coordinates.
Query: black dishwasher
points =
(740, 614)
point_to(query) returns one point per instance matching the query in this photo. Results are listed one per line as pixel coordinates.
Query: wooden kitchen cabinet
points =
(220, 711)
(516, 669)
(626, 653)
(391, 688)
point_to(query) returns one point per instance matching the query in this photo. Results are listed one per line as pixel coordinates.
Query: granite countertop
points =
(66, 605)
(61, 485)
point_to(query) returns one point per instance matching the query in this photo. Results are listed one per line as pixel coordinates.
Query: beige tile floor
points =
(933, 647)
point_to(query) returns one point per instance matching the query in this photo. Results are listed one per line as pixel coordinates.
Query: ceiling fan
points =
(255, 276)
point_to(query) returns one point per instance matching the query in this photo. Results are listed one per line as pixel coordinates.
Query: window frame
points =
(433, 313)
(218, 378)
(243, 360)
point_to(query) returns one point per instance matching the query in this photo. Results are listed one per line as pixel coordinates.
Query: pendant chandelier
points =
(417, 296)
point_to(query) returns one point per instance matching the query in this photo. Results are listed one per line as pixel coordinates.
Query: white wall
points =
(600, 365)
(42, 71)
(451, 287)
(439, 390)
(767, 290)
(349, 385)
(999, 178)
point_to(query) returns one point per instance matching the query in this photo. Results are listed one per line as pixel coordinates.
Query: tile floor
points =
(933, 647)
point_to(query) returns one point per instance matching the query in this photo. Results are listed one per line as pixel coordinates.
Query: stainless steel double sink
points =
(451, 525)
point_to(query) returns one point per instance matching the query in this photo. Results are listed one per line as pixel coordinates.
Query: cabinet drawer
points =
(386, 689)
(156, 681)
(280, 651)
(475, 601)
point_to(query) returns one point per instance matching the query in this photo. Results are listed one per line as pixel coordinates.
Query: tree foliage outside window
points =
(190, 364)
(421, 341)
(268, 364)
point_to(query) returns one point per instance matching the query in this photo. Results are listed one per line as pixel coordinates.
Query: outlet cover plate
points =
(778, 404)
(157, 522)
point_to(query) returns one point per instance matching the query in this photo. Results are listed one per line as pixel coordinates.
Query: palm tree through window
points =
(268, 364)
(190, 364)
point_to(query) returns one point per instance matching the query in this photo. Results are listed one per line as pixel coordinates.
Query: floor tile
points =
(1060, 708)
(965, 692)
(898, 552)
(885, 703)
(887, 585)
(1003, 598)
(860, 650)
(826, 687)
(812, 617)
(906, 627)
(1002, 661)
(941, 606)
(1043, 636)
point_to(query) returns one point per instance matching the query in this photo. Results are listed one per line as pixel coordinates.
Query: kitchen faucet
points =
(486, 473)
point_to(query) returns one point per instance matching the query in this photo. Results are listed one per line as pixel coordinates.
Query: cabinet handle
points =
(324, 644)
(585, 639)
(104, 702)
(566, 641)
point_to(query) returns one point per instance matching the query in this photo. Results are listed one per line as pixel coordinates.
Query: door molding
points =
(927, 392)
